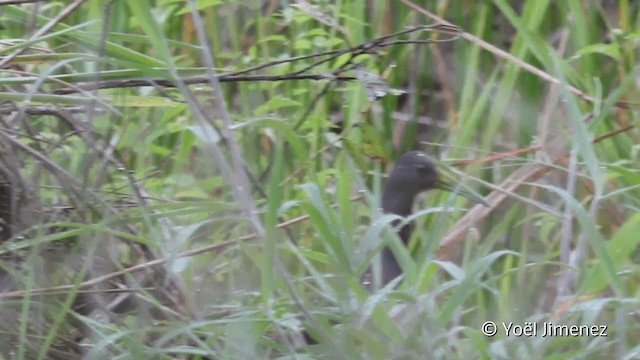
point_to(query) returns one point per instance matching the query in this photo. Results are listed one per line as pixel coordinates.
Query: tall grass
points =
(171, 205)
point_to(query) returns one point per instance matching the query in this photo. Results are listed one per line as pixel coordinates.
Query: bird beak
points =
(448, 182)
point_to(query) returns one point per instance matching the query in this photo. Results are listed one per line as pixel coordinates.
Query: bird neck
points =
(397, 202)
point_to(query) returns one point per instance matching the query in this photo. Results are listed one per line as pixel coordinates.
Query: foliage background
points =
(162, 202)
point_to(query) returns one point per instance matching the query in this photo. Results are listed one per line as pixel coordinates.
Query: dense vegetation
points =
(201, 179)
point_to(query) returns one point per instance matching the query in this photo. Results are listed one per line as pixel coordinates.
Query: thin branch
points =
(234, 76)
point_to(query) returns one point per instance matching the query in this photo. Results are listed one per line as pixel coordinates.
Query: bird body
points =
(412, 174)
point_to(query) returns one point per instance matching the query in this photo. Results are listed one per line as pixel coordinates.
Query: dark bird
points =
(412, 174)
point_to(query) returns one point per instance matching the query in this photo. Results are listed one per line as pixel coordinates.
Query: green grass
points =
(239, 210)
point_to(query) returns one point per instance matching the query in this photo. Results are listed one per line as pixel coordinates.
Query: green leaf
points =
(206, 133)
(611, 50)
(621, 248)
(200, 5)
(144, 101)
(274, 104)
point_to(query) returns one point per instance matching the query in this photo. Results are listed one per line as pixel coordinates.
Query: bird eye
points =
(424, 169)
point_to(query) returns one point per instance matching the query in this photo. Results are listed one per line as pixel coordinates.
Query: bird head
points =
(414, 173)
